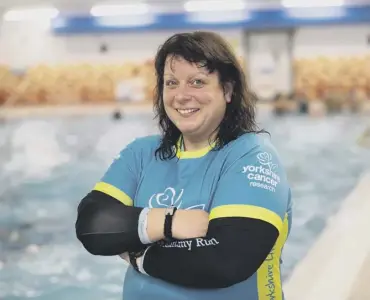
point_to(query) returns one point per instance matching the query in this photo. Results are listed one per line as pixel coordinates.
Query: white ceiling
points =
(85, 5)
(89, 3)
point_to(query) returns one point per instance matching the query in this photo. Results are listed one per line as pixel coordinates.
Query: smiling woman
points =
(193, 99)
(203, 210)
(197, 76)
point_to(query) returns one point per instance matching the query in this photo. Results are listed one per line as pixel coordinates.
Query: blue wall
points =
(257, 19)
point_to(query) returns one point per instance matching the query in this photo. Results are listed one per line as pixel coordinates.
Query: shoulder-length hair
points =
(211, 51)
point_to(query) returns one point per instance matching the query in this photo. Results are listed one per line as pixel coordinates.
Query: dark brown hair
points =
(211, 51)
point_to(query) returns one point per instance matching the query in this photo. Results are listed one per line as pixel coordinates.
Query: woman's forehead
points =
(175, 64)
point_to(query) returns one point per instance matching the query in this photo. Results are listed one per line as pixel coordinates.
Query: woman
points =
(204, 209)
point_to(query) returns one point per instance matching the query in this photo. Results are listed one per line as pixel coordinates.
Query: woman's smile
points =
(187, 112)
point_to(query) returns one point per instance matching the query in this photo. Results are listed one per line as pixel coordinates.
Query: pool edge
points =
(331, 269)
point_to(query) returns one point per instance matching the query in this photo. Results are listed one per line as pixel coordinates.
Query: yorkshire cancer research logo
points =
(265, 159)
(171, 197)
(263, 175)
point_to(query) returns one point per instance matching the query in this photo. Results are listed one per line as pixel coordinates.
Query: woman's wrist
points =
(155, 224)
(140, 262)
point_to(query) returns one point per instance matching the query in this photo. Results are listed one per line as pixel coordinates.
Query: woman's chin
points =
(188, 130)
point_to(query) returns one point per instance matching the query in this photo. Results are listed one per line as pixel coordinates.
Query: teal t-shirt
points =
(244, 178)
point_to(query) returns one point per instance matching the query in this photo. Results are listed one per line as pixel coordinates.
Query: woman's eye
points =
(170, 82)
(198, 82)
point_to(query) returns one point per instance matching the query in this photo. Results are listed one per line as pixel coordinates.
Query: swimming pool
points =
(49, 164)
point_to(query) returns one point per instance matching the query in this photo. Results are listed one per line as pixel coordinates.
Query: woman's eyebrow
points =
(190, 76)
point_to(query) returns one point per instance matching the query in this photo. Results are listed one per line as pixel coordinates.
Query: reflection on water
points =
(49, 164)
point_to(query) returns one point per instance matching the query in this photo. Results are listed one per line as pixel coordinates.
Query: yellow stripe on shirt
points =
(247, 211)
(269, 275)
(114, 192)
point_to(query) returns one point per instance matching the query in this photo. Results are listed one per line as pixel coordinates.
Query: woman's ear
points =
(228, 91)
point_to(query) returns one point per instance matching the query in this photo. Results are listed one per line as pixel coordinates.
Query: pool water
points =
(49, 164)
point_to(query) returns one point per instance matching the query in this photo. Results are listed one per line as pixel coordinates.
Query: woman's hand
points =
(187, 224)
(125, 257)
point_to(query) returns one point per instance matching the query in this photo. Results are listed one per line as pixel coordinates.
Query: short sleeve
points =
(121, 179)
(253, 185)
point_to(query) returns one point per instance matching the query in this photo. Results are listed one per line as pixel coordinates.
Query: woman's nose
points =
(182, 96)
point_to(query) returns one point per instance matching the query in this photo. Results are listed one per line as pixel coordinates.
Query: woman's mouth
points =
(187, 112)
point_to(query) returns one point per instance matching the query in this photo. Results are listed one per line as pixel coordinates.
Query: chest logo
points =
(171, 197)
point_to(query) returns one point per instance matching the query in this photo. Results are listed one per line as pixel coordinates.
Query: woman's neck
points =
(194, 144)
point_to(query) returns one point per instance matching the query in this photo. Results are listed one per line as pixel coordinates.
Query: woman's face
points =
(193, 98)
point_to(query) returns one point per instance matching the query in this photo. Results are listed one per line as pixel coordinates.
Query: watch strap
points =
(170, 212)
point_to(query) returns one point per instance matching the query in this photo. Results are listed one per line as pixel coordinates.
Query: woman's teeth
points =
(187, 111)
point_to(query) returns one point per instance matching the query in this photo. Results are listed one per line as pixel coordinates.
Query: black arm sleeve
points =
(106, 227)
(232, 251)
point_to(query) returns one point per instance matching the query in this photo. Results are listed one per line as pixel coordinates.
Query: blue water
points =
(49, 164)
